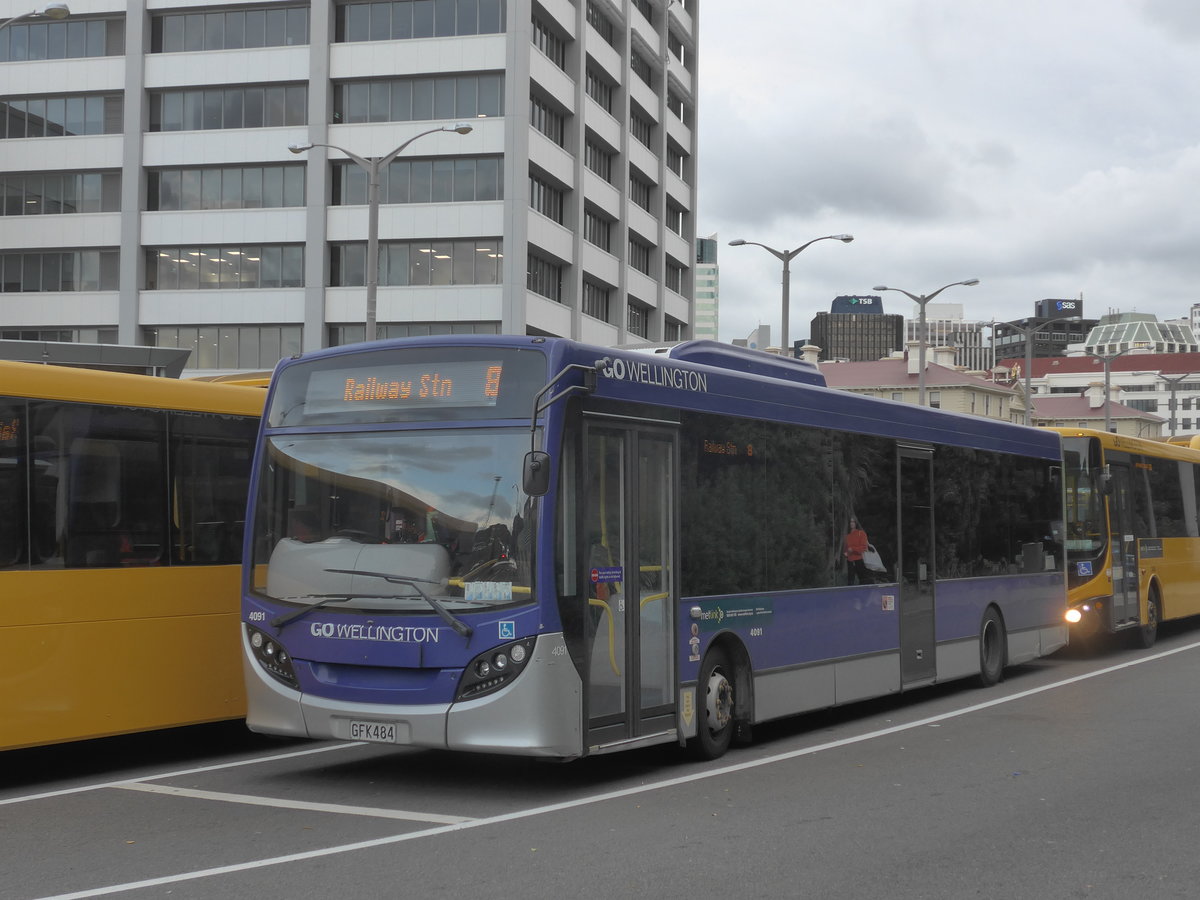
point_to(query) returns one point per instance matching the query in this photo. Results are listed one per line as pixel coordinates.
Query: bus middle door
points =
(918, 661)
(628, 566)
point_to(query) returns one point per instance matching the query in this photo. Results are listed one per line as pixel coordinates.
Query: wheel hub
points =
(719, 701)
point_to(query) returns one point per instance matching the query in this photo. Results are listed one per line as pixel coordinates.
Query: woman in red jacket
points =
(854, 545)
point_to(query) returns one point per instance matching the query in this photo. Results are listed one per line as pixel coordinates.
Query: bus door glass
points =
(1124, 544)
(918, 664)
(629, 537)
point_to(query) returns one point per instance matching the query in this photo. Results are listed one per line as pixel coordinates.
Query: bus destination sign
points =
(404, 386)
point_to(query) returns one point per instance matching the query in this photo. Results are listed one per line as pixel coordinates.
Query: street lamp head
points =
(844, 238)
(737, 243)
(460, 128)
(56, 10)
(299, 148)
(970, 282)
(881, 287)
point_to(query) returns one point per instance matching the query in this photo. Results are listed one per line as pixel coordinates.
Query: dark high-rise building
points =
(1054, 325)
(857, 329)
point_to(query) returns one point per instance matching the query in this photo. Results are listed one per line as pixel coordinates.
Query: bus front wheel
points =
(992, 646)
(1147, 634)
(716, 706)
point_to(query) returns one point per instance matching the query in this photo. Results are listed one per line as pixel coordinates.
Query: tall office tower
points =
(1054, 326)
(706, 309)
(150, 196)
(857, 329)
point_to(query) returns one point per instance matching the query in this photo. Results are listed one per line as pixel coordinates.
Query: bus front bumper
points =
(538, 714)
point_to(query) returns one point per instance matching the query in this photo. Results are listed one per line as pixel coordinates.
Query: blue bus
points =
(530, 545)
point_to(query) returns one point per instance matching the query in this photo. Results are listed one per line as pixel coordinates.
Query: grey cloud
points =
(1178, 18)
(889, 170)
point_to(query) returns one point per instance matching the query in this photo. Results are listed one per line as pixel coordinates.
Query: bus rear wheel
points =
(717, 705)
(992, 646)
(1147, 634)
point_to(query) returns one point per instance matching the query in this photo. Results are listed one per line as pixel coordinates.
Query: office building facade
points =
(1054, 326)
(706, 314)
(856, 329)
(150, 198)
(945, 326)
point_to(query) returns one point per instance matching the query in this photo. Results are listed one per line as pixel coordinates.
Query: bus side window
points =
(13, 517)
(44, 501)
(93, 507)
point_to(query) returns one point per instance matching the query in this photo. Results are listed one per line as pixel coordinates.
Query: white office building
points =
(149, 196)
(706, 284)
(946, 327)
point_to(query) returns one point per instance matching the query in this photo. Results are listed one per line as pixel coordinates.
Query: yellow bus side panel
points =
(90, 653)
(1178, 573)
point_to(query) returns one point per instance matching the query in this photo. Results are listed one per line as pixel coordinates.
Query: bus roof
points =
(714, 377)
(47, 382)
(1144, 446)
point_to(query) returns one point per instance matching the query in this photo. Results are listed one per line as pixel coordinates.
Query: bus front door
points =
(918, 662)
(629, 534)
(1123, 541)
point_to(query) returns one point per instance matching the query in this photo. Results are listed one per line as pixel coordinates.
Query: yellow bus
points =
(1132, 535)
(122, 510)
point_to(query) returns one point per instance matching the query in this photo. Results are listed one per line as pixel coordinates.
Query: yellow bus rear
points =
(122, 508)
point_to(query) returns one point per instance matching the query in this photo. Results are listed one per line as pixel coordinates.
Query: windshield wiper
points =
(322, 600)
(415, 583)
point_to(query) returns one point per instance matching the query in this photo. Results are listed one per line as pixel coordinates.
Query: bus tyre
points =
(715, 702)
(992, 647)
(1147, 634)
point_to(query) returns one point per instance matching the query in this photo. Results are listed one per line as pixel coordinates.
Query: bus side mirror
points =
(1105, 481)
(535, 474)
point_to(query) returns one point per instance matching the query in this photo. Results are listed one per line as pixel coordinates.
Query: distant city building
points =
(706, 284)
(1157, 392)
(946, 385)
(1048, 336)
(758, 339)
(946, 327)
(1119, 332)
(856, 329)
(1086, 410)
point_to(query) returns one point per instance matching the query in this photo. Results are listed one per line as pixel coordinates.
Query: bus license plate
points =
(378, 732)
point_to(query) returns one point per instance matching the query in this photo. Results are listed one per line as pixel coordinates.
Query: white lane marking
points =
(601, 798)
(176, 774)
(295, 804)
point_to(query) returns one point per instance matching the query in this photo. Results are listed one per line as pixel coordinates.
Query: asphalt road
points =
(1076, 777)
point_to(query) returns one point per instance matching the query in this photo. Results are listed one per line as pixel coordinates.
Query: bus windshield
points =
(386, 520)
(1086, 530)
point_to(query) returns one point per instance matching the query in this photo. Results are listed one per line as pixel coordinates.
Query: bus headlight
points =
(494, 669)
(1074, 616)
(271, 656)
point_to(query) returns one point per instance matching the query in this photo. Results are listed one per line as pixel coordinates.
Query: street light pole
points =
(1027, 333)
(921, 341)
(786, 257)
(49, 11)
(373, 165)
(1107, 359)
(1174, 382)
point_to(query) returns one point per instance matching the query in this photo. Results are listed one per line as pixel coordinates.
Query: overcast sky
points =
(1049, 148)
